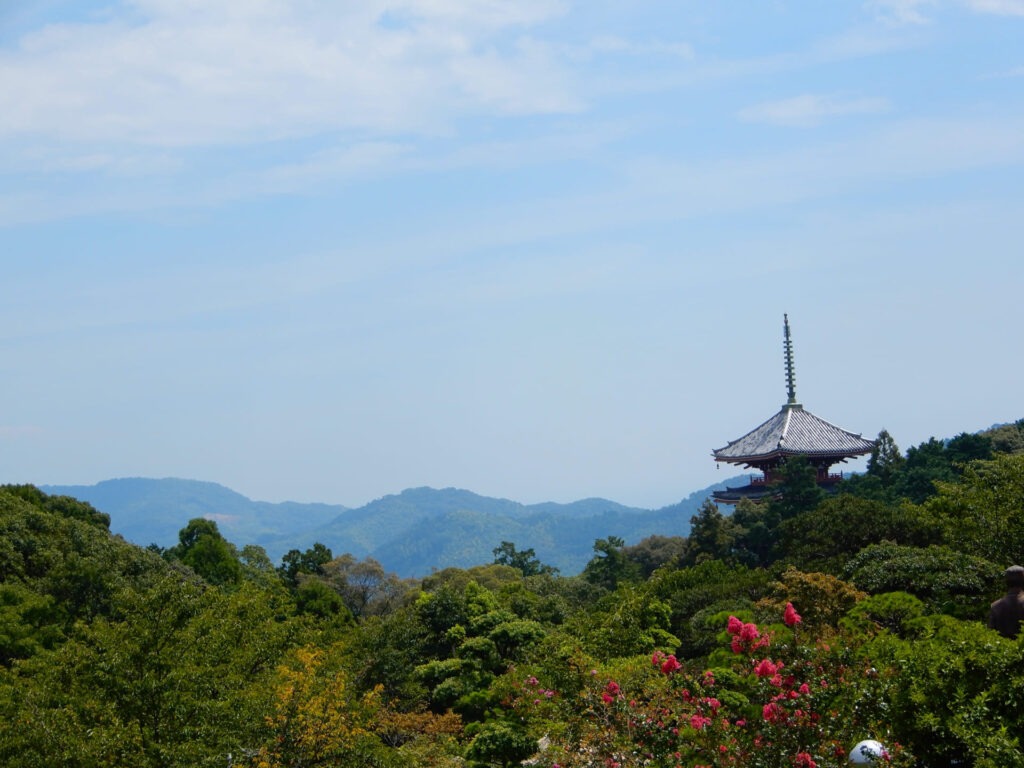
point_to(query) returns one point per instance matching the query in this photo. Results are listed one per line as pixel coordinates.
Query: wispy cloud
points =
(614, 44)
(808, 110)
(900, 12)
(1004, 74)
(998, 7)
(186, 73)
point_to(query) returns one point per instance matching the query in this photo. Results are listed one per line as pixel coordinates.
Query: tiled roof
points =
(792, 432)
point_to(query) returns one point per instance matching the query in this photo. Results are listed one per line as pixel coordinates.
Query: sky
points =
(541, 249)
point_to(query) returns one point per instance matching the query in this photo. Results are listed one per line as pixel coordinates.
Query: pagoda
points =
(793, 431)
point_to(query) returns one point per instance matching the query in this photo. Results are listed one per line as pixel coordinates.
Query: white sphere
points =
(866, 752)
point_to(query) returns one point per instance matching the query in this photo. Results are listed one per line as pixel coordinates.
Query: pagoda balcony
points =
(823, 478)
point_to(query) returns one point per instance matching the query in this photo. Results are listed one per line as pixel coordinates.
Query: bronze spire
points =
(790, 373)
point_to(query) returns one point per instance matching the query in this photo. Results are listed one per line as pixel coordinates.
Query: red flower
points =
(749, 632)
(804, 760)
(735, 625)
(698, 721)
(791, 617)
(611, 692)
(765, 668)
(670, 665)
(773, 713)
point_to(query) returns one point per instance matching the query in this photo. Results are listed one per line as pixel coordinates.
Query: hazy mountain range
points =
(410, 533)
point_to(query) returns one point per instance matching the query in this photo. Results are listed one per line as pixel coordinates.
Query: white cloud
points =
(998, 7)
(809, 110)
(204, 73)
(900, 12)
(615, 44)
(345, 162)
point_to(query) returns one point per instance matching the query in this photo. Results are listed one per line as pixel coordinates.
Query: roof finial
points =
(790, 374)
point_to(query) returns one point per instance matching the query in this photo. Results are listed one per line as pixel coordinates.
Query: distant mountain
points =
(147, 511)
(410, 533)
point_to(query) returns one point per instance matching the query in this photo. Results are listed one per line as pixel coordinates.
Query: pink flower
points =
(773, 713)
(670, 665)
(735, 625)
(791, 617)
(805, 688)
(804, 760)
(612, 688)
(698, 721)
(607, 698)
(749, 632)
(765, 668)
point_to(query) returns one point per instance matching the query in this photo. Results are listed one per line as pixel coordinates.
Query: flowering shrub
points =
(775, 704)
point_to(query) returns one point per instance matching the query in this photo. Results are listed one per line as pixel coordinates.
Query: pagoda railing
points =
(823, 477)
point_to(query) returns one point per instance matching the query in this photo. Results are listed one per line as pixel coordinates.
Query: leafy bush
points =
(945, 580)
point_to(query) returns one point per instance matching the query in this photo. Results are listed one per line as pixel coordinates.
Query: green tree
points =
(610, 566)
(656, 551)
(312, 561)
(202, 548)
(364, 586)
(712, 535)
(525, 562)
(797, 488)
(885, 460)
(316, 598)
(946, 580)
(982, 512)
(500, 743)
(173, 678)
(1007, 438)
(829, 535)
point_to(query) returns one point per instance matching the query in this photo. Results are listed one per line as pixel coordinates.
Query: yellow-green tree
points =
(317, 719)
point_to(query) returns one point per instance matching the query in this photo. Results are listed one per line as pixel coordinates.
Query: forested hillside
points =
(411, 533)
(773, 636)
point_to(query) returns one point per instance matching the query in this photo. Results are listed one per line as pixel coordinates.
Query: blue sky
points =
(536, 249)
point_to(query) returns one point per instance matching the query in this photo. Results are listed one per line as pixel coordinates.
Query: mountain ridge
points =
(410, 533)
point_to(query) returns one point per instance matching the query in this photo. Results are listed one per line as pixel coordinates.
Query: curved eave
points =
(794, 431)
(781, 453)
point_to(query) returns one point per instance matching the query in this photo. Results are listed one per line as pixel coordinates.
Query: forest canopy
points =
(776, 634)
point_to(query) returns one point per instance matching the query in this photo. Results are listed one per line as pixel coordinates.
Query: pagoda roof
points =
(793, 431)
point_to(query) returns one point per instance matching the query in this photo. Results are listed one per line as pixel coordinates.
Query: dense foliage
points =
(774, 636)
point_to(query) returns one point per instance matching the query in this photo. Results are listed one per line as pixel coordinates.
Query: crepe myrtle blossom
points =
(790, 616)
(667, 664)
(745, 636)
